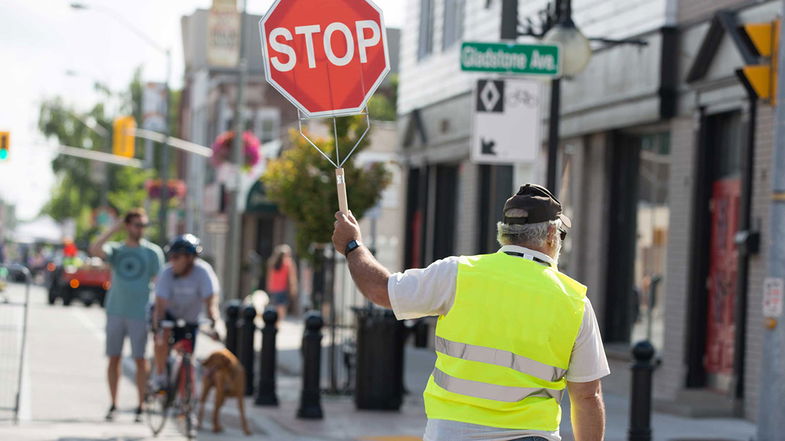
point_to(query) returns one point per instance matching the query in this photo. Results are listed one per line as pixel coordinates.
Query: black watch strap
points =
(351, 246)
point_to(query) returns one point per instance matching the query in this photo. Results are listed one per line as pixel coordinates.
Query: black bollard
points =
(310, 398)
(640, 402)
(247, 333)
(232, 316)
(265, 395)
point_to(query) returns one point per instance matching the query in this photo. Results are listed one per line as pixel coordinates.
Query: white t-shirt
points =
(186, 294)
(430, 291)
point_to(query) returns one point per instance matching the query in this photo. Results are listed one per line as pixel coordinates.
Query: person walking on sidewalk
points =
(281, 279)
(135, 262)
(513, 332)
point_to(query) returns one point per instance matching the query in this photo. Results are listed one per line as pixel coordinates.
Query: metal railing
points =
(13, 338)
(340, 329)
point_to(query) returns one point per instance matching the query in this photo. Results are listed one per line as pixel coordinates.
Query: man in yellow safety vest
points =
(513, 332)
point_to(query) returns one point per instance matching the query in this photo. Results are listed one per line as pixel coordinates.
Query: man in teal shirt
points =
(135, 262)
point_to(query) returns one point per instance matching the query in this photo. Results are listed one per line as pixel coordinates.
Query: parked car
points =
(83, 278)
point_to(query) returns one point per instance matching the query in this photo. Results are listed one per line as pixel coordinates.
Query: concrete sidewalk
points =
(343, 422)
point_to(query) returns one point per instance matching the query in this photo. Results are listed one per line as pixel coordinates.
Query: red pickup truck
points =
(86, 279)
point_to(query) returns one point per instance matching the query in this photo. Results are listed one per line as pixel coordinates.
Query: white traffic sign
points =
(773, 289)
(154, 106)
(506, 121)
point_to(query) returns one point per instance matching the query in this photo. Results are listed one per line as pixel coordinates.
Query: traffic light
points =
(762, 77)
(5, 145)
(123, 136)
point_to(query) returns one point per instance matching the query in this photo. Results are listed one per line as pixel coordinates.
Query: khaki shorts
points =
(117, 328)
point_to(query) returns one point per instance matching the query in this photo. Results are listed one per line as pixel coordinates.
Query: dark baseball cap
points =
(539, 204)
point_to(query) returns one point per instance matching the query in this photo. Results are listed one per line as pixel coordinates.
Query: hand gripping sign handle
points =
(340, 180)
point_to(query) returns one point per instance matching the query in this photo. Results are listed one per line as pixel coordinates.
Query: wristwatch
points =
(351, 246)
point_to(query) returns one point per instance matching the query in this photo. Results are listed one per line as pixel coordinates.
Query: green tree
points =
(302, 183)
(77, 192)
(382, 105)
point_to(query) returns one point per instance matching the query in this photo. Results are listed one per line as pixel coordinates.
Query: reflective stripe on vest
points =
(500, 358)
(489, 391)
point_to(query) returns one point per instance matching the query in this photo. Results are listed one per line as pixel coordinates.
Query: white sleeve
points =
(210, 284)
(418, 293)
(588, 361)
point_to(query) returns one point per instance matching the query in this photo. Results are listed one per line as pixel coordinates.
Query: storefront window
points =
(653, 215)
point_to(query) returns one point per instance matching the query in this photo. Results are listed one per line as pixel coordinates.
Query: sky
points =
(42, 40)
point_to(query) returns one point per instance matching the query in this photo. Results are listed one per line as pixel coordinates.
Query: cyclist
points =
(186, 287)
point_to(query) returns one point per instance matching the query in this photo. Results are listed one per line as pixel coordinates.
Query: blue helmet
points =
(186, 244)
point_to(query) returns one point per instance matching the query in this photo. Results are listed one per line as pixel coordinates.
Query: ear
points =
(552, 234)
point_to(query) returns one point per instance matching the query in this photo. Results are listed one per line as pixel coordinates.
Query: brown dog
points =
(224, 373)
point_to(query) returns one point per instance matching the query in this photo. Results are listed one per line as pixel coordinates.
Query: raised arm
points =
(368, 274)
(96, 248)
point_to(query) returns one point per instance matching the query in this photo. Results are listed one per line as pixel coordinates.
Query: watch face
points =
(351, 246)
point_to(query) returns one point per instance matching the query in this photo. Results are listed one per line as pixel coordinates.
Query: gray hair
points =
(527, 235)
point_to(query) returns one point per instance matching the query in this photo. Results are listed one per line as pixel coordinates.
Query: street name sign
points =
(506, 121)
(509, 58)
(326, 56)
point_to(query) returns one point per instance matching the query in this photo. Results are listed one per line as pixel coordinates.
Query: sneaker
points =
(138, 415)
(159, 382)
(111, 413)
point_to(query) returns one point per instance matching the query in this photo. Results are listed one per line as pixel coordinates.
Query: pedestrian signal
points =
(123, 136)
(5, 145)
(762, 77)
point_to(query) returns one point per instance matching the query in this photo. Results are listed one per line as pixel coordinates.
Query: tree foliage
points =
(382, 105)
(78, 190)
(302, 182)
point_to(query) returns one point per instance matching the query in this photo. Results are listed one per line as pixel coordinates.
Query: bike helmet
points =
(186, 244)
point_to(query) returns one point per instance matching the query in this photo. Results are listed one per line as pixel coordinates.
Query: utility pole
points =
(232, 267)
(164, 171)
(771, 425)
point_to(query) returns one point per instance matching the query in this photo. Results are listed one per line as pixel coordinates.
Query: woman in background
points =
(281, 279)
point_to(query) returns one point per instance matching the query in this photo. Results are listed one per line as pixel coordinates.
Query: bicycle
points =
(178, 395)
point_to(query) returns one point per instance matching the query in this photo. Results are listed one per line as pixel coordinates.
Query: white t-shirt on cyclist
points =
(185, 295)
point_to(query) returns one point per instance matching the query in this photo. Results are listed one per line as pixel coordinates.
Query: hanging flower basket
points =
(222, 149)
(176, 188)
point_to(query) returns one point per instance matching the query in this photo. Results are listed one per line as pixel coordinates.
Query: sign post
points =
(504, 103)
(327, 58)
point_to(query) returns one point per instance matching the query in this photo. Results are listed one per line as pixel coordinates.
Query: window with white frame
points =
(267, 124)
(425, 44)
(453, 22)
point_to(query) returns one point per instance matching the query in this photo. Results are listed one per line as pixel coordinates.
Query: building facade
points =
(211, 44)
(662, 161)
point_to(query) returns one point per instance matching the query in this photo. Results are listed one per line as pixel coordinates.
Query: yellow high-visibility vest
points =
(504, 347)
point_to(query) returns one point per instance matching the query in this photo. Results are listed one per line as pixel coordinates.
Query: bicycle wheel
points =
(157, 405)
(184, 400)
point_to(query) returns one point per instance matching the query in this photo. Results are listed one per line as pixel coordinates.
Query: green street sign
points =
(510, 58)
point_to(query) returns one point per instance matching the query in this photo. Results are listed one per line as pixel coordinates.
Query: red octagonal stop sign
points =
(326, 56)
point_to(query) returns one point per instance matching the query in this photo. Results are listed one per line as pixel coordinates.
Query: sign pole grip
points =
(340, 180)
